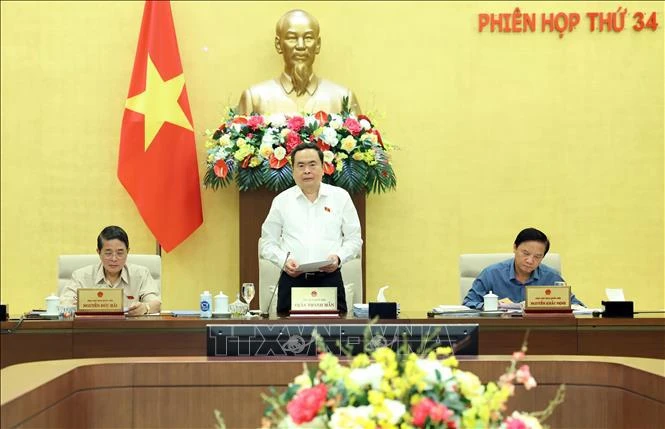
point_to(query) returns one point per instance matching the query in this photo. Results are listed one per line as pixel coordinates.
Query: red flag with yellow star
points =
(157, 161)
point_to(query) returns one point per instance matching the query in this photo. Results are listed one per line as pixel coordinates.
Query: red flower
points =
(275, 163)
(292, 140)
(427, 408)
(307, 403)
(440, 413)
(255, 121)
(295, 123)
(322, 117)
(239, 120)
(245, 162)
(328, 169)
(360, 117)
(378, 136)
(353, 126)
(322, 145)
(222, 127)
(420, 412)
(221, 169)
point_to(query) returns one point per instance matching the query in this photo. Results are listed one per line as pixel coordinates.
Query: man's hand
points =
(334, 264)
(137, 309)
(291, 268)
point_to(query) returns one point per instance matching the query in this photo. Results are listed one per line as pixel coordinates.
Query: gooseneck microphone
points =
(265, 314)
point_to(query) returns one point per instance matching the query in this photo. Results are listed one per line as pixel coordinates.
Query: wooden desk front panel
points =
(169, 336)
(183, 392)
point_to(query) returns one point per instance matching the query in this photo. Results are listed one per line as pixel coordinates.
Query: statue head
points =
(297, 40)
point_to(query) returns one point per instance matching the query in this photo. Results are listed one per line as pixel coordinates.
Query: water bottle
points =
(206, 304)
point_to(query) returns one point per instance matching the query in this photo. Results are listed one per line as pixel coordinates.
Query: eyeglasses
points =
(526, 254)
(109, 254)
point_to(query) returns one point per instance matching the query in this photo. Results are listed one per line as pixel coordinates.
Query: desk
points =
(183, 391)
(170, 336)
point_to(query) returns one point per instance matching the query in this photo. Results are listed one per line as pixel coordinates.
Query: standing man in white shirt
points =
(310, 222)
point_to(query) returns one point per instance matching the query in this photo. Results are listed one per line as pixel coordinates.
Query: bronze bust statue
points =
(297, 89)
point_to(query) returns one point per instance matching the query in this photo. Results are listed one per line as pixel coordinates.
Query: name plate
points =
(99, 301)
(547, 298)
(314, 299)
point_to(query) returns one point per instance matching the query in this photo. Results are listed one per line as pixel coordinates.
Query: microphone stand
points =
(266, 314)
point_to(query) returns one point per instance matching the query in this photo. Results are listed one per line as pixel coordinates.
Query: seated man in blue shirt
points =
(508, 278)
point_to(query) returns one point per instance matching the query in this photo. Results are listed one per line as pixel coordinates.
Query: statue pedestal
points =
(254, 207)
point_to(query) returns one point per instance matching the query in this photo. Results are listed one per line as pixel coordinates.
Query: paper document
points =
(313, 266)
(581, 310)
(453, 309)
(614, 294)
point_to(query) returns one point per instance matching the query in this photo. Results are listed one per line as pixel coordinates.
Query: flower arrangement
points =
(255, 151)
(389, 389)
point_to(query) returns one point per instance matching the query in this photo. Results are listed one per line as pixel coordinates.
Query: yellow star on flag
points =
(159, 102)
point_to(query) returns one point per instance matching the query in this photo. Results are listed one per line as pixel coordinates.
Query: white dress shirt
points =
(311, 231)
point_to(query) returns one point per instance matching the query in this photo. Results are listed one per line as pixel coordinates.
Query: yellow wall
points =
(496, 132)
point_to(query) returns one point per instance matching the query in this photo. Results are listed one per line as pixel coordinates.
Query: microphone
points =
(266, 313)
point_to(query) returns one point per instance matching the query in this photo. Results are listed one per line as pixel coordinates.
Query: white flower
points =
(365, 124)
(351, 417)
(329, 136)
(279, 153)
(328, 156)
(310, 120)
(336, 121)
(396, 410)
(430, 368)
(238, 127)
(277, 120)
(370, 375)
(269, 138)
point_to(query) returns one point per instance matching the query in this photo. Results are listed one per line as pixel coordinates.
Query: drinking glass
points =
(247, 291)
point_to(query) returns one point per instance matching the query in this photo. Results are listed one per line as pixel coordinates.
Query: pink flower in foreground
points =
(307, 403)
(512, 423)
(295, 123)
(353, 126)
(523, 375)
(292, 140)
(255, 121)
(518, 355)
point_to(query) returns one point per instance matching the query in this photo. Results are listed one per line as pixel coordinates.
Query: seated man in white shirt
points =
(310, 222)
(140, 290)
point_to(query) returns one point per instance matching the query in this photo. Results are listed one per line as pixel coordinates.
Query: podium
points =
(254, 207)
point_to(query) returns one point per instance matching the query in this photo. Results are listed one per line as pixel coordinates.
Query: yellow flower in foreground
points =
(225, 140)
(303, 380)
(255, 161)
(360, 361)
(358, 156)
(348, 143)
(469, 383)
(243, 152)
(266, 150)
(241, 142)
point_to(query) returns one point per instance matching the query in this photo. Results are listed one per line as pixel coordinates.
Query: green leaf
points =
(249, 178)
(278, 179)
(353, 175)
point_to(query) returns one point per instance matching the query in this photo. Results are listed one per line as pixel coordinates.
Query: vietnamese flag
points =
(157, 161)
